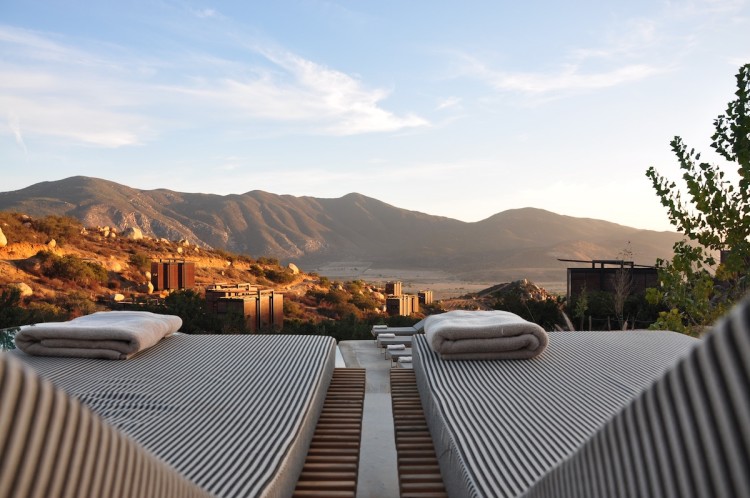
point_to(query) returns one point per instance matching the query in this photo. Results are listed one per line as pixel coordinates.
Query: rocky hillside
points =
(521, 243)
(66, 269)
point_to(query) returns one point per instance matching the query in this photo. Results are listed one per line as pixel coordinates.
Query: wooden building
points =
(263, 310)
(610, 274)
(172, 274)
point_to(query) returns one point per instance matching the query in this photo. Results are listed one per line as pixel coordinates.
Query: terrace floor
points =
(378, 473)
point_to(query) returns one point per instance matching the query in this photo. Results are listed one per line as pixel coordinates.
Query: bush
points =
(60, 228)
(140, 261)
(280, 276)
(72, 268)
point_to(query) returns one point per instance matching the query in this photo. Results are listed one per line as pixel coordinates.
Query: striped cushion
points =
(499, 426)
(50, 445)
(234, 414)
(687, 436)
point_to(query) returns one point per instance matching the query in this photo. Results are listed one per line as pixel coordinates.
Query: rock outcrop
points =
(25, 290)
(3, 239)
(133, 233)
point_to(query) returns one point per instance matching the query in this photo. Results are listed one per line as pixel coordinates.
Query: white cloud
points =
(112, 98)
(449, 103)
(295, 89)
(204, 13)
(15, 128)
(570, 78)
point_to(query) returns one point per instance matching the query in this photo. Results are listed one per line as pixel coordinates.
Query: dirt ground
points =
(441, 283)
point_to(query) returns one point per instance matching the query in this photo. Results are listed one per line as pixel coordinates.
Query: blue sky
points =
(461, 109)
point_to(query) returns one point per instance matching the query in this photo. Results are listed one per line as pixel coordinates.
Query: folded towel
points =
(484, 335)
(387, 336)
(405, 359)
(111, 335)
(396, 347)
(380, 326)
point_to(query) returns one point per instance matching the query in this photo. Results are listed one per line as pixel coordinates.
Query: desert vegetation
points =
(709, 270)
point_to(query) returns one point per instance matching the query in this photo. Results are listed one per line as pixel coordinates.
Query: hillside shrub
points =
(280, 275)
(545, 312)
(13, 315)
(140, 261)
(72, 268)
(60, 228)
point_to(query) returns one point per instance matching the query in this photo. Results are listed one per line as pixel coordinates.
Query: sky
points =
(458, 109)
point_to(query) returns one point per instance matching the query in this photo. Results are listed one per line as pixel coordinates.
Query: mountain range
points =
(518, 243)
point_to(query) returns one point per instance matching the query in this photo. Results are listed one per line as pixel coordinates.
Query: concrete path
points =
(378, 474)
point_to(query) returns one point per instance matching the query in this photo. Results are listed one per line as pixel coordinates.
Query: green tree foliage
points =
(72, 268)
(714, 216)
(13, 315)
(60, 228)
(279, 275)
(191, 307)
(140, 261)
(545, 312)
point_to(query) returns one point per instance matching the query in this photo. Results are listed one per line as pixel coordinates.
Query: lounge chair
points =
(223, 416)
(399, 331)
(599, 414)
(390, 341)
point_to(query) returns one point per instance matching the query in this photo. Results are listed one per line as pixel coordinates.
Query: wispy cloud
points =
(113, 98)
(570, 78)
(204, 13)
(15, 128)
(449, 103)
(630, 51)
(294, 89)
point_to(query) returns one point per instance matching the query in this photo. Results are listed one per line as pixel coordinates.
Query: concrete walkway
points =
(378, 474)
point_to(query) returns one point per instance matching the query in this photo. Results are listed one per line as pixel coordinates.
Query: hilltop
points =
(316, 232)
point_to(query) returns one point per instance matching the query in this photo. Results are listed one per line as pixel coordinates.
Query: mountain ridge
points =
(314, 231)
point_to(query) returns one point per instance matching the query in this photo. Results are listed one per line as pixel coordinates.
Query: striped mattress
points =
(233, 414)
(499, 426)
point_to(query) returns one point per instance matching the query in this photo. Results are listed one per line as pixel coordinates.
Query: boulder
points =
(118, 297)
(133, 233)
(114, 266)
(294, 268)
(52, 244)
(184, 243)
(179, 250)
(26, 291)
(112, 235)
(3, 239)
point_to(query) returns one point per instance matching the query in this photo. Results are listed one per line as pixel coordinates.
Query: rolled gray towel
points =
(111, 335)
(484, 335)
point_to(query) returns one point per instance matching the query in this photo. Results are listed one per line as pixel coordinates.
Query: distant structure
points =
(604, 278)
(403, 305)
(262, 309)
(425, 297)
(398, 303)
(393, 288)
(172, 274)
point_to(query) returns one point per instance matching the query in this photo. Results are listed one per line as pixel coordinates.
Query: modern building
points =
(425, 297)
(262, 309)
(609, 275)
(172, 274)
(403, 305)
(393, 289)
